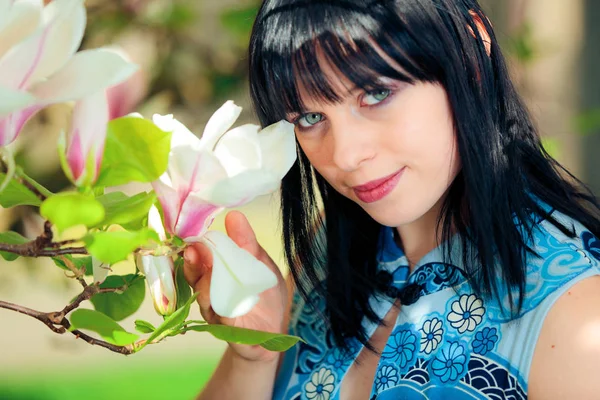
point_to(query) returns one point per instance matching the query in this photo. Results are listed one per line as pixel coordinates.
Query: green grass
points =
(171, 379)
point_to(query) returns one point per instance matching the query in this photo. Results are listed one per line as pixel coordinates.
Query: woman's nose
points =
(353, 145)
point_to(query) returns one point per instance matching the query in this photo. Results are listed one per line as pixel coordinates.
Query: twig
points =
(126, 350)
(58, 322)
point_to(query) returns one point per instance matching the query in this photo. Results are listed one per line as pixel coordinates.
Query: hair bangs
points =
(301, 42)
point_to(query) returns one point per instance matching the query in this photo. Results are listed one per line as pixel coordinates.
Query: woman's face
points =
(393, 151)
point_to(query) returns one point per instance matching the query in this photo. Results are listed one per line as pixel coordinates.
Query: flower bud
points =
(160, 275)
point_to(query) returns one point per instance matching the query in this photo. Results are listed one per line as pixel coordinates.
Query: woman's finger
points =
(197, 261)
(239, 230)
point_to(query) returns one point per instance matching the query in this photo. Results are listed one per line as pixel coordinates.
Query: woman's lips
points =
(377, 189)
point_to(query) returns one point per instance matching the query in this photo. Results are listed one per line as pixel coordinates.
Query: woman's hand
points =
(267, 314)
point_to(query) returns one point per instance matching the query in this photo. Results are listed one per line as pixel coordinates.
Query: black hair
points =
(436, 41)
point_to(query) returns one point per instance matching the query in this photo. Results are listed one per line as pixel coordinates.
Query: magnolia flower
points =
(225, 168)
(82, 155)
(222, 169)
(38, 63)
(159, 271)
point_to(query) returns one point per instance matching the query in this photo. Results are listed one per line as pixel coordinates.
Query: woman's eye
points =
(310, 119)
(376, 96)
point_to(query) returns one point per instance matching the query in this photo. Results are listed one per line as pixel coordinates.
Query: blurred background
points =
(192, 57)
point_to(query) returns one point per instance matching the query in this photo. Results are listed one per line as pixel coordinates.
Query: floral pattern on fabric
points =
(402, 347)
(449, 344)
(467, 313)
(431, 335)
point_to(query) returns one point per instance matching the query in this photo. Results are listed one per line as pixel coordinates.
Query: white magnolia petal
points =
(48, 49)
(237, 277)
(100, 270)
(182, 136)
(169, 201)
(219, 123)
(87, 72)
(278, 146)
(195, 218)
(12, 100)
(66, 20)
(239, 150)
(17, 24)
(88, 131)
(155, 222)
(241, 189)
(5, 6)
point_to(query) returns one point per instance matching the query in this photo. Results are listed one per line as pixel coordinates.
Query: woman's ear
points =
(485, 36)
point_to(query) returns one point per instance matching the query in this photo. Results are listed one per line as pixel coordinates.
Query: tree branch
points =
(40, 316)
(58, 322)
(28, 250)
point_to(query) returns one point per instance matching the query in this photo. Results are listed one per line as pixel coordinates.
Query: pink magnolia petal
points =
(170, 202)
(195, 218)
(11, 125)
(18, 22)
(76, 156)
(190, 169)
(124, 97)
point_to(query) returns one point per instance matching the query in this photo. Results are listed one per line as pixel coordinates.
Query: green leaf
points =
(135, 150)
(17, 194)
(112, 247)
(97, 322)
(11, 238)
(119, 306)
(78, 262)
(144, 326)
(70, 208)
(122, 209)
(268, 340)
(172, 323)
(184, 291)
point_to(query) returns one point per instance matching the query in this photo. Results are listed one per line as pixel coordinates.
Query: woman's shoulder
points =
(566, 360)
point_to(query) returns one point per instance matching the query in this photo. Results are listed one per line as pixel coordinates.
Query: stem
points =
(7, 158)
(41, 192)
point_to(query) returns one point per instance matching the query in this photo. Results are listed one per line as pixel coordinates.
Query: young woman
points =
(451, 258)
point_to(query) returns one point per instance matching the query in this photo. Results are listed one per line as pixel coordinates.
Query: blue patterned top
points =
(449, 344)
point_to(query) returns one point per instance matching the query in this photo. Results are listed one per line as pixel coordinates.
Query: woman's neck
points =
(419, 237)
